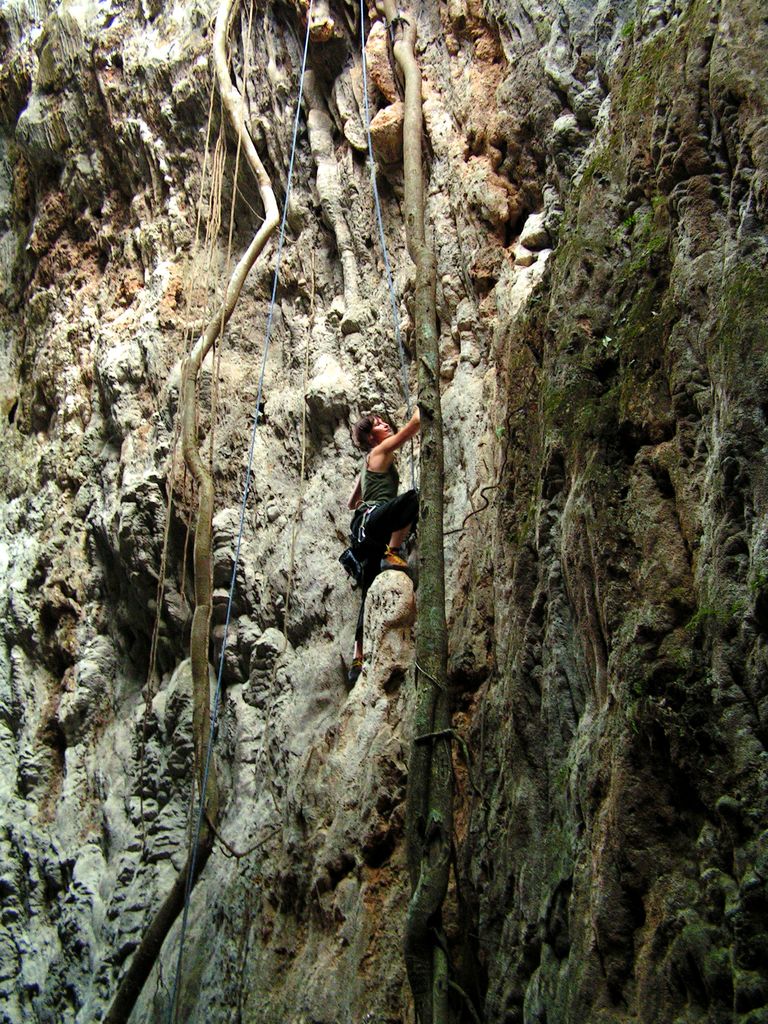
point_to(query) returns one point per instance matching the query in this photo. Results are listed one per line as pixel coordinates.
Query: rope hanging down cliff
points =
(243, 507)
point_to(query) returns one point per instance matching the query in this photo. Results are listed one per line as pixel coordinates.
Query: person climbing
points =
(383, 518)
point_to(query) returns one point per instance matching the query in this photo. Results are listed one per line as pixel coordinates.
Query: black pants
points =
(378, 526)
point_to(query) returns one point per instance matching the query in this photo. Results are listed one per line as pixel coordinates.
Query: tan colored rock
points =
(322, 27)
(55, 210)
(487, 265)
(328, 390)
(322, 30)
(379, 64)
(523, 256)
(387, 133)
(390, 613)
(496, 199)
(347, 94)
(534, 235)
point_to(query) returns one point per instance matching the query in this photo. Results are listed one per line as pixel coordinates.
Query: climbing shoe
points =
(354, 673)
(394, 560)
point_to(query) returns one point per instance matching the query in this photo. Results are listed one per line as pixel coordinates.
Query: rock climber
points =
(383, 518)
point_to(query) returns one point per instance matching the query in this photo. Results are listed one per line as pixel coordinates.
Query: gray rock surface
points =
(597, 196)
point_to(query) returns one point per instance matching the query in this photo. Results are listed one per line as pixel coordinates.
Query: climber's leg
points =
(370, 574)
(390, 524)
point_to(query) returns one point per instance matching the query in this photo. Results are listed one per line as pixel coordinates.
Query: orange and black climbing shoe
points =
(393, 559)
(354, 673)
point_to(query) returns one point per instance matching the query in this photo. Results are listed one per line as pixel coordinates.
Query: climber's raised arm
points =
(376, 437)
(396, 440)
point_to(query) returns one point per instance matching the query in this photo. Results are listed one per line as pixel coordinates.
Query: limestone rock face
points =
(387, 133)
(380, 61)
(597, 194)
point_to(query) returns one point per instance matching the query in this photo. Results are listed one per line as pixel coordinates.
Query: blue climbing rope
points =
(246, 490)
(382, 238)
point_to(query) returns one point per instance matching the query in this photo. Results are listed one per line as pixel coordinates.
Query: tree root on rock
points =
(149, 948)
(146, 955)
(429, 802)
(331, 193)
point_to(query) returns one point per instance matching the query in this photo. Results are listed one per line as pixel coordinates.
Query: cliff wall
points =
(597, 200)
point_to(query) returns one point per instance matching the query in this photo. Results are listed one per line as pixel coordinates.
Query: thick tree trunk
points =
(429, 817)
(144, 958)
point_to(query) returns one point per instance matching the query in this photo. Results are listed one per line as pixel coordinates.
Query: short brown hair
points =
(362, 431)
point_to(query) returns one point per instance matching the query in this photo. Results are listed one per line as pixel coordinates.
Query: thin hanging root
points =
(467, 1001)
(235, 110)
(230, 851)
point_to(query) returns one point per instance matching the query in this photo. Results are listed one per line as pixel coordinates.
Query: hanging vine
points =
(235, 108)
(149, 948)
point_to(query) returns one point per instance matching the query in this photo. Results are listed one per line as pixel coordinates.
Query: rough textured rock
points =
(597, 199)
(387, 133)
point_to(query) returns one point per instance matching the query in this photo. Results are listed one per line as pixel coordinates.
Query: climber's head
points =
(369, 431)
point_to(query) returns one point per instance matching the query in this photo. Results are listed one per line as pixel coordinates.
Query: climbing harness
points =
(382, 238)
(354, 558)
(360, 520)
(243, 507)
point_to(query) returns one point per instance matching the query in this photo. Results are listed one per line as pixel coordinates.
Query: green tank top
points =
(378, 487)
